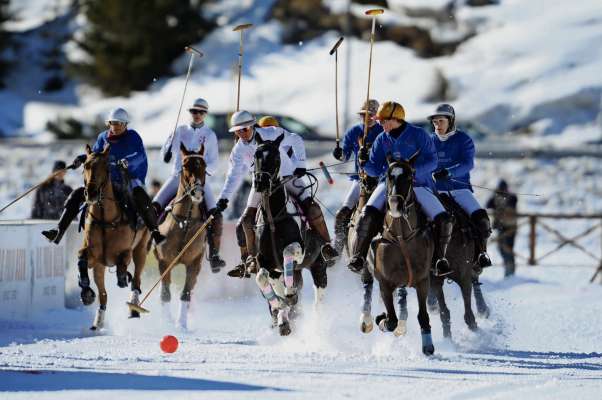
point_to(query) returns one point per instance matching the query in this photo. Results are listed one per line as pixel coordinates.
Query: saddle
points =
(125, 204)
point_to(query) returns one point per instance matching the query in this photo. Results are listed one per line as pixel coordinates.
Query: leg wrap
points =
(292, 255)
(263, 281)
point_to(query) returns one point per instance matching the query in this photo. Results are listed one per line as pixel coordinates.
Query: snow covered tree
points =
(130, 43)
(4, 37)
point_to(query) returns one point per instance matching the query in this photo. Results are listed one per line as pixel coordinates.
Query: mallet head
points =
(336, 45)
(374, 12)
(192, 50)
(242, 27)
(136, 307)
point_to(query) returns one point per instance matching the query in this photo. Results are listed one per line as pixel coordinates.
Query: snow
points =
(541, 341)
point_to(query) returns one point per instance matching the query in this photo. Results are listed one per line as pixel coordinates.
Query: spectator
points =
(51, 196)
(155, 186)
(503, 204)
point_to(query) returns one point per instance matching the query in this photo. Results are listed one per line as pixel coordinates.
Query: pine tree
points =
(4, 38)
(132, 42)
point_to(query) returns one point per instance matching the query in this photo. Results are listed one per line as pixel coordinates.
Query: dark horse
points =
(280, 256)
(403, 255)
(462, 257)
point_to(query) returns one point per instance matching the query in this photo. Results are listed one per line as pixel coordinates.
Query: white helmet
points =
(200, 104)
(241, 119)
(118, 115)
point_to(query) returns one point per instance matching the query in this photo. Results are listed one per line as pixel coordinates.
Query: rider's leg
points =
(314, 215)
(443, 227)
(142, 202)
(72, 205)
(465, 198)
(214, 231)
(166, 193)
(245, 234)
(343, 216)
(368, 226)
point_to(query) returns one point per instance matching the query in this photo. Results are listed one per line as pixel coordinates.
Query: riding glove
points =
(299, 172)
(338, 153)
(363, 155)
(441, 174)
(222, 204)
(77, 162)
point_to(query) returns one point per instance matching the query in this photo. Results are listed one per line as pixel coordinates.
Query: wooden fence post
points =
(532, 239)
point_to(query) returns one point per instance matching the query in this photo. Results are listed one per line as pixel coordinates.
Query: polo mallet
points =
(31, 189)
(241, 29)
(138, 307)
(336, 84)
(373, 13)
(193, 52)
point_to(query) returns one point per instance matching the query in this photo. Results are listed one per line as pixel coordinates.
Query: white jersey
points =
(243, 154)
(193, 138)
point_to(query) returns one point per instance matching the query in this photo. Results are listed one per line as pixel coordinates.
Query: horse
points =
(280, 256)
(402, 256)
(462, 257)
(186, 216)
(109, 237)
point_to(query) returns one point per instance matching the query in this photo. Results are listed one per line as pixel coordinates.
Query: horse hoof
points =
(401, 328)
(88, 296)
(473, 327)
(284, 328)
(484, 313)
(122, 281)
(447, 333)
(366, 324)
(428, 350)
(134, 314)
(380, 321)
(93, 328)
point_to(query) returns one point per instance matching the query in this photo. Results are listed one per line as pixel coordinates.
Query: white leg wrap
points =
(166, 312)
(183, 314)
(292, 255)
(282, 315)
(318, 296)
(263, 281)
(135, 297)
(99, 319)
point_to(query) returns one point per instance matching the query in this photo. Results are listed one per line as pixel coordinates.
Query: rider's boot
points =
(481, 220)
(341, 222)
(367, 227)
(72, 205)
(316, 221)
(144, 208)
(443, 232)
(214, 238)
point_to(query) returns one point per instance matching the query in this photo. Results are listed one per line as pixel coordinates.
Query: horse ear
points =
(413, 158)
(390, 158)
(279, 140)
(106, 149)
(202, 151)
(88, 149)
(183, 149)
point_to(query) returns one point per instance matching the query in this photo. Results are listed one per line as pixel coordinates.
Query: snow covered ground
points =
(542, 341)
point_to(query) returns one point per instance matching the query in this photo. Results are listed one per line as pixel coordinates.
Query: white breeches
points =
(353, 195)
(170, 188)
(465, 199)
(295, 188)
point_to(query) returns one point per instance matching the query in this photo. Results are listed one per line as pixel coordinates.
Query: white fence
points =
(37, 276)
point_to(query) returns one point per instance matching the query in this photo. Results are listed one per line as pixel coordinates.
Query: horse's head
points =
(194, 170)
(400, 179)
(96, 174)
(267, 163)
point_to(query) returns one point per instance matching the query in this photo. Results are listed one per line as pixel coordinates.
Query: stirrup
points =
(438, 271)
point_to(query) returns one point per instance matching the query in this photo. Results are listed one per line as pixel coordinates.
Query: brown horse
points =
(108, 237)
(403, 255)
(181, 223)
(462, 257)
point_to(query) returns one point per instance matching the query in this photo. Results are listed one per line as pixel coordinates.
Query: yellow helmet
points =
(268, 120)
(390, 110)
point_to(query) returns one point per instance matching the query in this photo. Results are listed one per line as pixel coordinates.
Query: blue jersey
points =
(126, 146)
(411, 141)
(456, 154)
(351, 142)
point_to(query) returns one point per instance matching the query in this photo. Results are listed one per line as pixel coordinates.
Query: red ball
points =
(169, 344)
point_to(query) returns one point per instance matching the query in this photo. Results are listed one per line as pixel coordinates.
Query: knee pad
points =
(294, 250)
(443, 224)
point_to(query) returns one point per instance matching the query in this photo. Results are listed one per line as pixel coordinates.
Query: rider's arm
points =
(166, 150)
(296, 143)
(427, 160)
(375, 166)
(100, 143)
(350, 142)
(137, 161)
(465, 163)
(236, 171)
